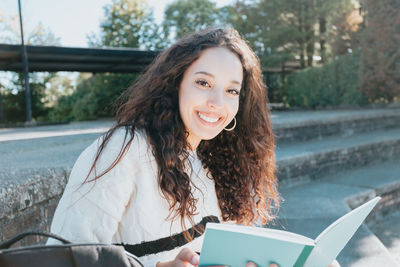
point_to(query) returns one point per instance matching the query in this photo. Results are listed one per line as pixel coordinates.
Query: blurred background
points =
(331, 67)
(315, 54)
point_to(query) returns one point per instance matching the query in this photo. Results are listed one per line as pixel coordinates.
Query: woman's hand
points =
(334, 264)
(252, 264)
(185, 258)
(189, 258)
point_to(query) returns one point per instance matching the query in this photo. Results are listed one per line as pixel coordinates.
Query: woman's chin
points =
(211, 135)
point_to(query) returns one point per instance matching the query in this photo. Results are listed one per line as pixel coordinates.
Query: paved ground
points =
(74, 128)
(47, 146)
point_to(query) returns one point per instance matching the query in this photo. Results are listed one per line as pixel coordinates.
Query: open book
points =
(235, 245)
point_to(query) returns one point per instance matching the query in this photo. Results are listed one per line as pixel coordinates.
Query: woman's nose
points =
(215, 98)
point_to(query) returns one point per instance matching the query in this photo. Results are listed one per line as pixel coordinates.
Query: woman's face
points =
(209, 94)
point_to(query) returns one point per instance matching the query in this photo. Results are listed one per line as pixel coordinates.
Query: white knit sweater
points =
(126, 206)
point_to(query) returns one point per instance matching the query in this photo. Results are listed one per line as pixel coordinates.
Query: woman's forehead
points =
(217, 61)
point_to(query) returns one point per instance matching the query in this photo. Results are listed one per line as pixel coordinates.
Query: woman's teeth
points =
(207, 119)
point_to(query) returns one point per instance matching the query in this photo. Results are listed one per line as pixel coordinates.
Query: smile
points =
(207, 119)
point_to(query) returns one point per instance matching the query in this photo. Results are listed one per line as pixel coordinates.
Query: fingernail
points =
(195, 260)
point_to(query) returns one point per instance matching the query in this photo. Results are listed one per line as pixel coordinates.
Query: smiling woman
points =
(167, 167)
(209, 95)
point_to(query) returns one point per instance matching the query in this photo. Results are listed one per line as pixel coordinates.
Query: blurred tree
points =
(328, 15)
(282, 31)
(12, 95)
(126, 23)
(380, 68)
(9, 29)
(287, 34)
(331, 85)
(346, 31)
(185, 16)
(271, 28)
(59, 85)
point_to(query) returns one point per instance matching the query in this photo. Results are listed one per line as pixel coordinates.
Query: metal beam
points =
(55, 58)
(28, 104)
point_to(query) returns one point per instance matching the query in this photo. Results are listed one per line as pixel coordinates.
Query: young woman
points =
(192, 144)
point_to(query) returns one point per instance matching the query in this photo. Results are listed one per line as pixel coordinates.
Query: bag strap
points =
(134, 257)
(8, 243)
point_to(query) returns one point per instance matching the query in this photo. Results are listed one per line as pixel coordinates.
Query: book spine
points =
(303, 256)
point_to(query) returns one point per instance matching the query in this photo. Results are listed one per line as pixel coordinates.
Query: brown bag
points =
(64, 255)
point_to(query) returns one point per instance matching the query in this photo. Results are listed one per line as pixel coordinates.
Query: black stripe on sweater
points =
(168, 243)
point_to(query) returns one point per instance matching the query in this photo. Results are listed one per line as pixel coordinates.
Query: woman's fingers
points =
(334, 264)
(189, 256)
(252, 264)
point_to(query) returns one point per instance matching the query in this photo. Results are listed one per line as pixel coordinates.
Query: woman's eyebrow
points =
(209, 74)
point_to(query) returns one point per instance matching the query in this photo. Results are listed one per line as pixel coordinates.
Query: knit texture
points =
(126, 206)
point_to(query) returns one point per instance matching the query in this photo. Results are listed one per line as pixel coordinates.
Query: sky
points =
(71, 20)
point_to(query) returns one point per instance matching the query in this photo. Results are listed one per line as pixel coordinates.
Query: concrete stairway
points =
(330, 163)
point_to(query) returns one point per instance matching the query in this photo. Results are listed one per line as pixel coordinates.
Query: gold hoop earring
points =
(233, 127)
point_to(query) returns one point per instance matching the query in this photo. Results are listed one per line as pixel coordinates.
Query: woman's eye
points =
(203, 83)
(233, 91)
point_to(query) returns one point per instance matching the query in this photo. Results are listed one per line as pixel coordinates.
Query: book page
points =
(333, 239)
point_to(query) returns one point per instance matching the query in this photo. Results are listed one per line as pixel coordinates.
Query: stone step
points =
(387, 230)
(296, 126)
(304, 161)
(309, 208)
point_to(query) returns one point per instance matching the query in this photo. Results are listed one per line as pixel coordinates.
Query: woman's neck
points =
(193, 142)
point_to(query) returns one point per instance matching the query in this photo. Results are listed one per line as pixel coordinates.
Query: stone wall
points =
(29, 199)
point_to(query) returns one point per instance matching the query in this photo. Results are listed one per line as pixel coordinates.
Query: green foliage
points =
(274, 84)
(14, 100)
(93, 98)
(128, 23)
(63, 110)
(280, 31)
(185, 16)
(332, 85)
(13, 107)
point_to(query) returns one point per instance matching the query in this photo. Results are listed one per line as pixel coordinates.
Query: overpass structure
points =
(56, 58)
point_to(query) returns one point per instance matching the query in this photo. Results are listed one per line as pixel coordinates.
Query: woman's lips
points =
(209, 118)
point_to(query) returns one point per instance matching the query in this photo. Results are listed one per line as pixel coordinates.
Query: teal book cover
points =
(235, 245)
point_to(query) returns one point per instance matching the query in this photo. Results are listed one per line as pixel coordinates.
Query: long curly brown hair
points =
(241, 162)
